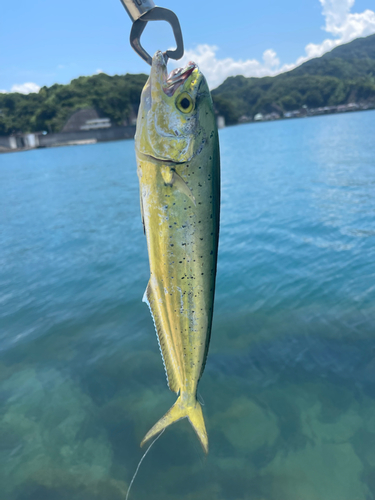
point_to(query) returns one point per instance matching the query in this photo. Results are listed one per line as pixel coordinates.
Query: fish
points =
(178, 166)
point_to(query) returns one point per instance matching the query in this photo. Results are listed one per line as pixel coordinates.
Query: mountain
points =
(344, 75)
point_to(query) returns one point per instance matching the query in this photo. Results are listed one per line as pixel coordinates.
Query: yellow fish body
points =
(177, 152)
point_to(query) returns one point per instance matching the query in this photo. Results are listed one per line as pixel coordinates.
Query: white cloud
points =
(98, 71)
(2, 91)
(339, 22)
(25, 88)
(216, 70)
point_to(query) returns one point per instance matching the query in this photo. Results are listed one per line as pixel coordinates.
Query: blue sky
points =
(45, 42)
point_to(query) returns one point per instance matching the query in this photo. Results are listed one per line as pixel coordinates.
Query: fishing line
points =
(139, 464)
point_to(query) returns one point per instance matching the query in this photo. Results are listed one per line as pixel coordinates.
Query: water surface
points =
(289, 383)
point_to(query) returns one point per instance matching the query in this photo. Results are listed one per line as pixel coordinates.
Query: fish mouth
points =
(177, 77)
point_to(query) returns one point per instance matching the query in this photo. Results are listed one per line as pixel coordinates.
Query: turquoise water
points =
(289, 384)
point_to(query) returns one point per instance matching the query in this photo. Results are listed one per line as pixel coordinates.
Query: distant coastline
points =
(102, 107)
(26, 142)
(305, 112)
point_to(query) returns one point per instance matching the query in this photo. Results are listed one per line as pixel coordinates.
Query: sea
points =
(289, 385)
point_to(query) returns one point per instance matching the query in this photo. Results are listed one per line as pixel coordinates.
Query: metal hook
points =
(143, 11)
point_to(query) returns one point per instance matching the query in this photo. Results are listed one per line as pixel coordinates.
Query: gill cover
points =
(168, 127)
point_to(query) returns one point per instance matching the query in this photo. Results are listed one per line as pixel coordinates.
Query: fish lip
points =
(172, 81)
(177, 77)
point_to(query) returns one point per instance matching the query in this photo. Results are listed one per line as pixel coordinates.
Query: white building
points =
(96, 123)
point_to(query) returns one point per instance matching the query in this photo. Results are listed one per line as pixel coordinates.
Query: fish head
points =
(171, 118)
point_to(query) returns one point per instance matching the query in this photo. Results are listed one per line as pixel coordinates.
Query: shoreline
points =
(76, 138)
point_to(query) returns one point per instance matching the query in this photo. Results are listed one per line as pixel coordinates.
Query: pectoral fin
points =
(171, 178)
(181, 185)
(142, 213)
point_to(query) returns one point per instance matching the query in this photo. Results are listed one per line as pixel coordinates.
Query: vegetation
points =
(115, 97)
(346, 74)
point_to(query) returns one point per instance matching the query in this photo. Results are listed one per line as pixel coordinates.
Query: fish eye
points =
(184, 102)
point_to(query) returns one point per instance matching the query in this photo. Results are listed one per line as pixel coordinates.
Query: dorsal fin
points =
(172, 379)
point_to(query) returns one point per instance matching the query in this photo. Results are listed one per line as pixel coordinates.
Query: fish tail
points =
(178, 411)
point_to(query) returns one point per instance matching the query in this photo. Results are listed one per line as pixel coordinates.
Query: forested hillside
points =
(346, 74)
(115, 97)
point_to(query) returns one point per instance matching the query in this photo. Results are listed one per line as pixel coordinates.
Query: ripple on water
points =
(288, 387)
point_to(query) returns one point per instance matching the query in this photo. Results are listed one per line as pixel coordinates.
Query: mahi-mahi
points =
(177, 153)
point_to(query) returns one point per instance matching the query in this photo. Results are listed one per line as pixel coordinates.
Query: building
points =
(96, 123)
(85, 119)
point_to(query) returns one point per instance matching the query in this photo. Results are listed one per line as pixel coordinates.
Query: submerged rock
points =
(247, 426)
(322, 471)
(54, 442)
(339, 431)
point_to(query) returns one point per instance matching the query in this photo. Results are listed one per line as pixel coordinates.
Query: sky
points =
(46, 42)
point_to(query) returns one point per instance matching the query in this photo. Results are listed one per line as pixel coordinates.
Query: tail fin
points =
(178, 411)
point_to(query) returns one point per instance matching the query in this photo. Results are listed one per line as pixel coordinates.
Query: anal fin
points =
(172, 379)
